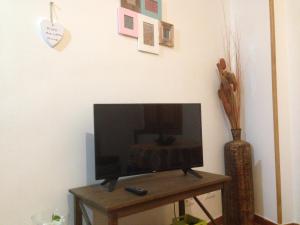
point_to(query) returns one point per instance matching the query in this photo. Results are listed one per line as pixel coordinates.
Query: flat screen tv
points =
(132, 139)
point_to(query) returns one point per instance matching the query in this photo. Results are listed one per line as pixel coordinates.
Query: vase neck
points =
(236, 134)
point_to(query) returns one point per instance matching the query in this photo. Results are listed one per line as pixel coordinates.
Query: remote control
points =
(136, 191)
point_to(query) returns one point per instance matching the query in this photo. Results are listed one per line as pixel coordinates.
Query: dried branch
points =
(229, 93)
(230, 76)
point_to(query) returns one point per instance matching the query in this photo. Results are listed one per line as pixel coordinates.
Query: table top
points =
(159, 185)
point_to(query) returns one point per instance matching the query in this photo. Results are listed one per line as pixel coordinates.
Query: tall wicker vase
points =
(238, 194)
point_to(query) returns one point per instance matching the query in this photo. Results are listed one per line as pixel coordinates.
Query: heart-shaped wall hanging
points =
(52, 33)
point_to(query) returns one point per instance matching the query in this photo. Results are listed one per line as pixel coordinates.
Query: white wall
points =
(46, 95)
(288, 47)
(252, 24)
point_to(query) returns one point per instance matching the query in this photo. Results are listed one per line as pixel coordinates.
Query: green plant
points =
(56, 218)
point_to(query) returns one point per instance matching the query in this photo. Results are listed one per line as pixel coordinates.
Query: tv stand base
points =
(110, 183)
(192, 172)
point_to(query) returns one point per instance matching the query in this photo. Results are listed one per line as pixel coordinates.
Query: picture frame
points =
(134, 5)
(152, 8)
(166, 34)
(148, 37)
(127, 22)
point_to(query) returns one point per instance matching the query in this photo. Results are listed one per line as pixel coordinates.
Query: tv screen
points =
(133, 139)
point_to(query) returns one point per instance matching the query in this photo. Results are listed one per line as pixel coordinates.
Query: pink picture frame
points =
(128, 22)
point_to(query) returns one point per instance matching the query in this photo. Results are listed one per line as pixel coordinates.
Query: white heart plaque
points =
(52, 33)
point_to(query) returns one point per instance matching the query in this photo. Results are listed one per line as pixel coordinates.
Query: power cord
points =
(175, 216)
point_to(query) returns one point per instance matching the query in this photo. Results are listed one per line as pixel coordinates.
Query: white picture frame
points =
(148, 37)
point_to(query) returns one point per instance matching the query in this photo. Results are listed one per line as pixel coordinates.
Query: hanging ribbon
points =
(51, 12)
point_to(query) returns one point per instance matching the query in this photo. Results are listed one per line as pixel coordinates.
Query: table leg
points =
(112, 220)
(224, 215)
(181, 208)
(77, 212)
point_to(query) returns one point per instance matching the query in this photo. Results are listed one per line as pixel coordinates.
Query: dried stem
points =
(230, 76)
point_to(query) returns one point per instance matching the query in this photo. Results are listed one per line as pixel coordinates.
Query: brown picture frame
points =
(134, 5)
(166, 34)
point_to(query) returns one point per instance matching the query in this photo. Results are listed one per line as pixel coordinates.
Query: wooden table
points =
(163, 188)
